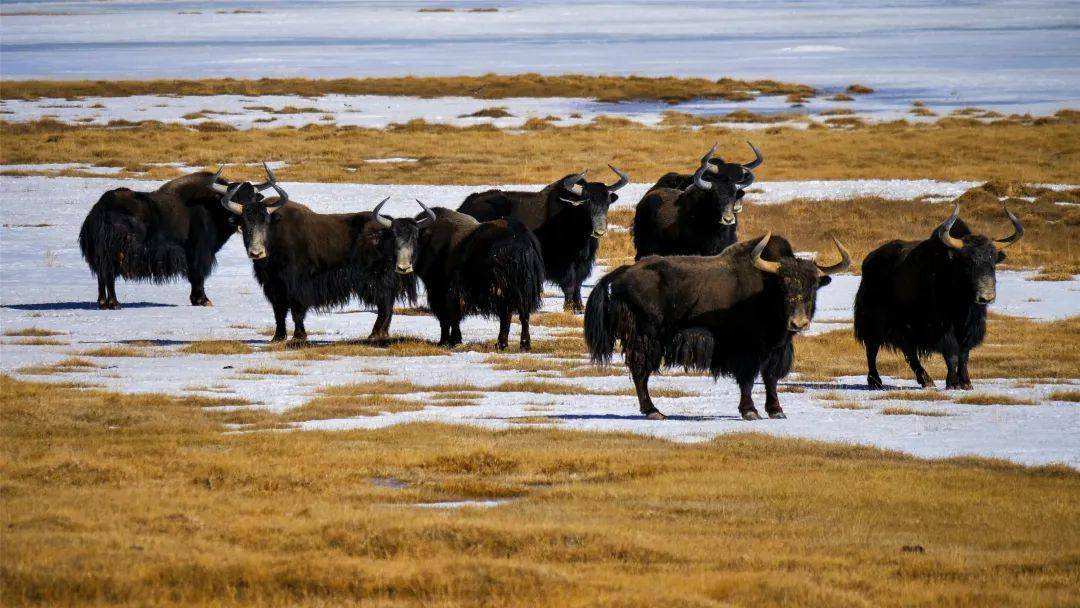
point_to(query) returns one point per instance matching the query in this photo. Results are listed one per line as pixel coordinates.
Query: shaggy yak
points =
(733, 314)
(700, 218)
(491, 268)
(175, 231)
(303, 259)
(568, 218)
(930, 296)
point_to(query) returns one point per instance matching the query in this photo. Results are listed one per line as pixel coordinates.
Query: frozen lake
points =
(992, 54)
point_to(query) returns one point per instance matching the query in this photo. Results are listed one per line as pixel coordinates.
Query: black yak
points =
(303, 259)
(175, 231)
(568, 218)
(717, 171)
(491, 268)
(700, 219)
(930, 296)
(733, 314)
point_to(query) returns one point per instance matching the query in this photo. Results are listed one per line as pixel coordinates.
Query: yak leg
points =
(571, 288)
(102, 293)
(912, 357)
(381, 329)
(965, 380)
(505, 316)
(111, 302)
(298, 311)
(873, 378)
(453, 312)
(951, 352)
(280, 303)
(641, 366)
(526, 341)
(745, 379)
(198, 292)
(444, 333)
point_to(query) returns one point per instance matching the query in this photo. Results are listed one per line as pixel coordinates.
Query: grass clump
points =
(859, 89)
(907, 411)
(116, 351)
(217, 347)
(1066, 395)
(32, 332)
(990, 399)
(912, 395)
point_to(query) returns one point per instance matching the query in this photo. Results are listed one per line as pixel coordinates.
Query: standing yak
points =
(568, 218)
(175, 231)
(923, 297)
(491, 268)
(733, 314)
(701, 219)
(303, 259)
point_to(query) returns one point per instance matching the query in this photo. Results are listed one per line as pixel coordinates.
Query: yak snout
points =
(599, 226)
(985, 292)
(728, 218)
(404, 259)
(798, 322)
(256, 253)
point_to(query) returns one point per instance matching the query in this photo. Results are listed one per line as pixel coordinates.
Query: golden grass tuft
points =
(66, 365)
(859, 89)
(37, 342)
(217, 347)
(116, 351)
(124, 496)
(990, 399)
(907, 411)
(1066, 395)
(269, 371)
(847, 405)
(912, 395)
(33, 332)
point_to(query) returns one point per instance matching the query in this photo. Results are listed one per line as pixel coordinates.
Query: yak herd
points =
(695, 297)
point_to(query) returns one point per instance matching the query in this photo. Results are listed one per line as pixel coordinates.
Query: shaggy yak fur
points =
(930, 296)
(492, 268)
(175, 231)
(733, 314)
(568, 217)
(693, 214)
(303, 259)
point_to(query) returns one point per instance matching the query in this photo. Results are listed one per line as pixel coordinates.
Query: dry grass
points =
(140, 499)
(907, 411)
(1051, 230)
(66, 365)
(269, 371)
(116, 351)
(859, 89)
(989, 399)
(217, 347)
(557, 319)
(488, 86)
(33, 332)
(403, 346)
(1045, 152)
(37, 342)
(1067, 395)
(847, 405)
(912, 395)
(1014, 348)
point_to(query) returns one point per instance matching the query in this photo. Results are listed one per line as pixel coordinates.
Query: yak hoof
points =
(502, 345)
(574, 307)
(750, 415)
(203, 301)
(526, 347)
(778, 415)
(926, 382)
(874, 383)
(655, 415)
(278, 338)
(966, 386)
(110, 305)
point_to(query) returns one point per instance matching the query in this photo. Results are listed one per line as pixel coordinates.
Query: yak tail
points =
(601, 319)
(519, 271)
(115, 244)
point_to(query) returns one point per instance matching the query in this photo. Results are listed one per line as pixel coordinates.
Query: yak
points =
(700, 219)
(303, 259)
(492, 268)
(733, 314)
(568, 217)
(175, 231)
(718, 171)
(930, 296)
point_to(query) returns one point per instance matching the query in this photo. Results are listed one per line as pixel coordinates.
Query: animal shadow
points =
(44, 306)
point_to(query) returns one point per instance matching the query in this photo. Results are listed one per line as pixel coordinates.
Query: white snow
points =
(45, 284)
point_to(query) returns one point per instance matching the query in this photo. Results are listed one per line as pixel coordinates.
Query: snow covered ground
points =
(987, 53)
(45, 284)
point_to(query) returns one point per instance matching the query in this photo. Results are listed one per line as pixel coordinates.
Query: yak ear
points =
(739, 194)
(614, 197)
(823, 281)
(1000, 257)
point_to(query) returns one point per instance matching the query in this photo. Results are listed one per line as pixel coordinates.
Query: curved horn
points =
(760, 264)
(214, 185)
(430, 219)
(384, 221)
(758, 158)
(227, 202)
(283, 197)
(1018, 231)
(943, 230)
(623, 179)
(705, 166)
(841, 266)
(573, 182)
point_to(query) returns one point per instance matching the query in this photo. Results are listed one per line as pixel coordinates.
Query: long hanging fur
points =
(602, 316)
(116, 245)
(509, 275)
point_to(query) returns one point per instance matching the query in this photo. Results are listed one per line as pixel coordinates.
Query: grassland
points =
(960, 149)
(488, 86)
(141, 499)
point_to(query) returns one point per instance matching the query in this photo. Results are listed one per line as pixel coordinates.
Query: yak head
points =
(253, 211)
(974, 256)
(404, 233)
(725, 183)
(594, 197)
(799, 281)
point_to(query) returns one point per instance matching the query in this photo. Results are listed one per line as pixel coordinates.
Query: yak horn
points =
(214, 185)
(943, 230)
(283, 197)
(623, 179)
(841, 266)
(430, 219)
(227, 202)
(573, 183)
(758, 158)
(1018, 231)
(705, 166)
(760, 264)
(384, 221)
